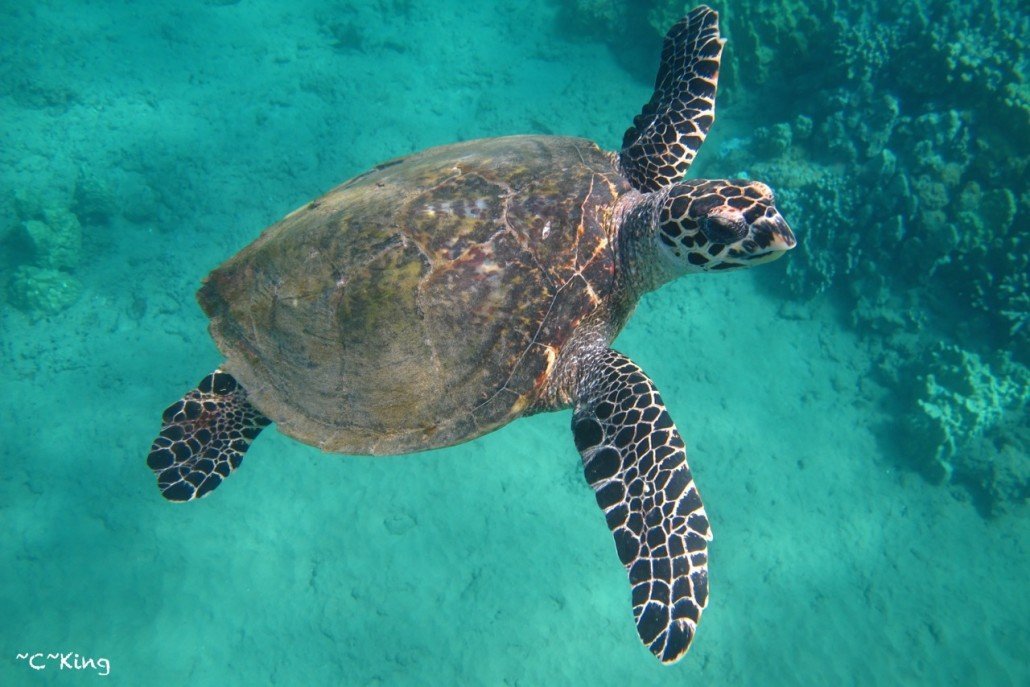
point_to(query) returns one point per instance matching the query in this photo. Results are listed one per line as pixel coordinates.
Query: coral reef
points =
(42, 249)
(41, 291)
(54, 240)
(897, 137)
(906, 195)
(972, 421)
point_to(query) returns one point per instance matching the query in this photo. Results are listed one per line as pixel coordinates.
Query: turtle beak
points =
(783, 238)
(775, 238)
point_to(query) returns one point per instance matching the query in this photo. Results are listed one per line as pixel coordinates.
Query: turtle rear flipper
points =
(203, 437)
(636, 462)
(664, 138)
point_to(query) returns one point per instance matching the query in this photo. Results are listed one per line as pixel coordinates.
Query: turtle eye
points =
(724, 228)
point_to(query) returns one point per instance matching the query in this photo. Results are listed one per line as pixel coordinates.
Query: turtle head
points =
(720, 224)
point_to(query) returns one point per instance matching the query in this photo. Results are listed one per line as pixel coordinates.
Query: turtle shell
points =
(422, 303)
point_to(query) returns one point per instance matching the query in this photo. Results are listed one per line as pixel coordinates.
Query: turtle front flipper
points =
(666, 135)
(203, 437)
(635, 460)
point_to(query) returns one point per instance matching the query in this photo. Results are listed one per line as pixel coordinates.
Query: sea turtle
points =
(441, 295)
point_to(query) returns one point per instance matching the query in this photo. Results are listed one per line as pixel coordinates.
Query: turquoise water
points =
(856, 413)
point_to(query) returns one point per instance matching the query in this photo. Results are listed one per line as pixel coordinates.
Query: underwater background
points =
(856, 413)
